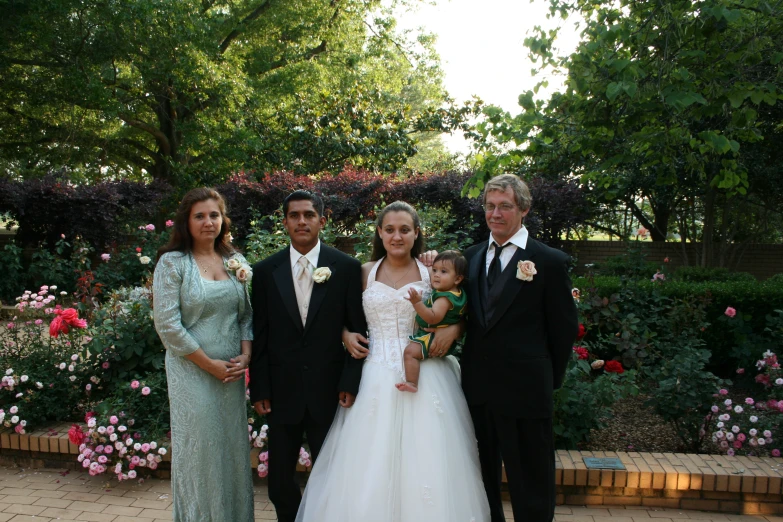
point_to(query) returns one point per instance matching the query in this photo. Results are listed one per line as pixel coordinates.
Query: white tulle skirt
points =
(400, 457)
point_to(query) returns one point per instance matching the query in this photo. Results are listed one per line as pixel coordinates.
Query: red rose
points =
(581, 352)
(75, 434)
(57, 326)
(89, 415)
(138, 249)
(71, 317)
(582, 332)
(613, 367)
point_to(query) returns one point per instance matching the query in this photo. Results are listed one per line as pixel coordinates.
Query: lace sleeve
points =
(166, 285)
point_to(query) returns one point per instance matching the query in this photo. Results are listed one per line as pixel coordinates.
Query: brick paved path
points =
(42, 495)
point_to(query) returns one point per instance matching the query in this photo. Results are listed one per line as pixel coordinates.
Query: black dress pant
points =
(284, 443)
(526, 446)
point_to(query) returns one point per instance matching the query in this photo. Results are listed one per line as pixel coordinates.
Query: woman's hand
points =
(353, 343)
(240, 364)
(220, 369)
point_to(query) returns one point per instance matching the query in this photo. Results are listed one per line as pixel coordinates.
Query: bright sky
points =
(481, 45)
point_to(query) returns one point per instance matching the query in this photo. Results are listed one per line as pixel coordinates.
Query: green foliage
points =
(189, 91)
(124, 339)
(150, 413)
(705, 274)
(13, 283)
(675, 105)
(442, 231)
(584, 401)
(684, 390)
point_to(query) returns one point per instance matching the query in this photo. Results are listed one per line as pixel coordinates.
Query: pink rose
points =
(776, 453)
(740, 371)
(146, 390)
(105, 257)
(135, 385)
(526, 270)
(730, 312)
(169, 223)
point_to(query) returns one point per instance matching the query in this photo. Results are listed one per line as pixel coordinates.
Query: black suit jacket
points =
(297, 366)
(513, 360)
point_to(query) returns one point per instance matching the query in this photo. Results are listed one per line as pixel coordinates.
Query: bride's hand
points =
(428, 258)
(443, 340)
(353, 343)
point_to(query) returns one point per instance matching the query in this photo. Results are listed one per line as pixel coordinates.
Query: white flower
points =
(24, 378)
(53, 287)
(15, 419)
(779, 381)
(113, 437)
(753, 432)
(233, 264)
(118, 445)
(729, 436)
(735, 429)
(101, 429)
(63, 293)
(767, 434)
(727, 402)
(91, 422)
(62, 366)
(762, 442)
(137, 446)
(74, 357)
(144, 260)
(738, 409)
(9, 371)
(162, 451)
(20, 394)
(768, 353)
(153, 444)
(122, 428)
(13, 410)
(128, 441)
(132, 474)
(244, 273)
(72, 378)
(526, 270)
(23, 423)
(753, 418)
(322, 275)
(39, 385)
(71, 368)
(720, 425)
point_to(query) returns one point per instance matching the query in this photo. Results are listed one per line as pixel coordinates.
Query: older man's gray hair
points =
(521, 191)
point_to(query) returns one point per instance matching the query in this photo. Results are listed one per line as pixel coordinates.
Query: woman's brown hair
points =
(181, 240)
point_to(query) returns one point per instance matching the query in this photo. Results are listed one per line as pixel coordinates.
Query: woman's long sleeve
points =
(166, 285)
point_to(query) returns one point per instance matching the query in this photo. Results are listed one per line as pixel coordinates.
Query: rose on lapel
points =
(244, 273)
(322, 275)
(233, 263)
(526, 270)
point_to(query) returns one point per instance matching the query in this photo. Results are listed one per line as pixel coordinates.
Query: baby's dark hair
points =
(457, 260)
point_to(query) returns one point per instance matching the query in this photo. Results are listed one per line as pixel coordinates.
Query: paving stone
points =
(64, 514)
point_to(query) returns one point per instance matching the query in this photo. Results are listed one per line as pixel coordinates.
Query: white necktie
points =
(304, 276)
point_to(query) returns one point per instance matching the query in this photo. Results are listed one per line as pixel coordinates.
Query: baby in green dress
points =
(445, 306)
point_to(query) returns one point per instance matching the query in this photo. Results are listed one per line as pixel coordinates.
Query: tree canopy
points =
(188, 91)
(670, 103)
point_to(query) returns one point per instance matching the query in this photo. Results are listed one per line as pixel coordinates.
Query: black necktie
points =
(494, 267)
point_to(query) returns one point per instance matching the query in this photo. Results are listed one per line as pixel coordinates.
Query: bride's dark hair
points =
(378, 250)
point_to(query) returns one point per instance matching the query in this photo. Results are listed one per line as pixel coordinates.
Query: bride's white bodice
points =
(391, 318)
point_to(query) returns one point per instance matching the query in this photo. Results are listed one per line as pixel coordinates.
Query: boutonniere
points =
(241, 270)
(322, 275)
(526, 270)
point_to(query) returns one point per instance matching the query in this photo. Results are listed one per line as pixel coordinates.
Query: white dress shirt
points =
(518, 240)
(312, 257)
(303, 294)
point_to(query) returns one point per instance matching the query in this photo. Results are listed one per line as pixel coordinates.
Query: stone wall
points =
(761, 260)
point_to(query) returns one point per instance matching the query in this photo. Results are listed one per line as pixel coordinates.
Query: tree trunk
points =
(709, 227)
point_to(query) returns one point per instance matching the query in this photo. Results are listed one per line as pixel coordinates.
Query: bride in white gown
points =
(396, 456)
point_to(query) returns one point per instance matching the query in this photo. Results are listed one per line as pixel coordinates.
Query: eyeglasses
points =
(503, 207)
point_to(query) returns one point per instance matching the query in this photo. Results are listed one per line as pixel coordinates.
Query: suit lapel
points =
(477, 263)
(325, 258)
(513, 285)
(284, 280)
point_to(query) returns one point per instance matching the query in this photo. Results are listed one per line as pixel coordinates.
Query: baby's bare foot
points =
(407, 387)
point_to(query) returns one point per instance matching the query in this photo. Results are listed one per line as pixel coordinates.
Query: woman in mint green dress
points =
(203, 316)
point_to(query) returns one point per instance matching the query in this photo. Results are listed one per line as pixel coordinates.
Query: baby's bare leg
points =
(411, 357)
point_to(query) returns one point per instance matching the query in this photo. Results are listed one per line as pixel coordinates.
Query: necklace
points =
(205, 267)
(395, 283)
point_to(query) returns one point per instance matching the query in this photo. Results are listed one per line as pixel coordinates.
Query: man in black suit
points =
(522, 323)
(302, 297)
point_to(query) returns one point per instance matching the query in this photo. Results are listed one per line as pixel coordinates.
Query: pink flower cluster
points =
(111, 446)
(744, 428)
(148, 228)
(13, 420)
(37, 300)
(769, 369)
(658, 276)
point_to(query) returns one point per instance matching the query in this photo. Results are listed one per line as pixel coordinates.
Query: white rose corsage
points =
(322, 275)
(526, 270)
(241, 270)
